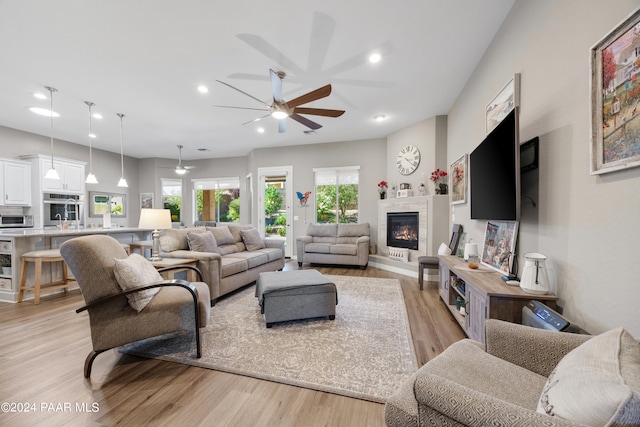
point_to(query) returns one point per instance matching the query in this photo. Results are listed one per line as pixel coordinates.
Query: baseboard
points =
(405, 268)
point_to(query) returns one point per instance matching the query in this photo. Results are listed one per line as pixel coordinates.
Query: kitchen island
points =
(16, 241)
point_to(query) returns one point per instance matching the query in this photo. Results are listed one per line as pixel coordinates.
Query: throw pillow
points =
(222, 234)
(597, 383)
(252, 239)
(202, 242)
(136, 271)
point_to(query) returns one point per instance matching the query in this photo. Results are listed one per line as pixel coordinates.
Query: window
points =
(337, 195)
(172, 197)
(217, 199)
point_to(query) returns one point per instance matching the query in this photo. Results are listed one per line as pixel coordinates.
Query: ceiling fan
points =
(180, 168)
(281, 109)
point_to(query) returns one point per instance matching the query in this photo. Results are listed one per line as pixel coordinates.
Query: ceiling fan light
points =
(180, 170)
(279, 114)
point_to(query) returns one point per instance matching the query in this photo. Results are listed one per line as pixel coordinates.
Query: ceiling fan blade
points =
(240, 108)
(276, 85)
(318, 112)
(255, 120)
(282, 126)
(322, 92)
(243, 92)
(303, 120)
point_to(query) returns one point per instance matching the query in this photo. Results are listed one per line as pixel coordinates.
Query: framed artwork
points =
(615, 98)
(146, 200)
(101, 203)
(458, 177)
(499, 245)
(506, 100)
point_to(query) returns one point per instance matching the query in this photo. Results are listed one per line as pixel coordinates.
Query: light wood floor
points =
(42, 352)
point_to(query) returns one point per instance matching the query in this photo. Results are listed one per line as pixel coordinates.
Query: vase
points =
(383, 194)
(442, 189)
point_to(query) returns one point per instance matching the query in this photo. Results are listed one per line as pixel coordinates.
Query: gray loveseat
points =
(345, 244)
(233, 261)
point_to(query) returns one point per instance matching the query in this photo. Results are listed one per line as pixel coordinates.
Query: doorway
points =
(275, 201)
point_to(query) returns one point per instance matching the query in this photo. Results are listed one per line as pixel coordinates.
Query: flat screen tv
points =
(495, 173)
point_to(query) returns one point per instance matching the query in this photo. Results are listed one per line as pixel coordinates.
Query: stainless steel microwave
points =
(16, 221)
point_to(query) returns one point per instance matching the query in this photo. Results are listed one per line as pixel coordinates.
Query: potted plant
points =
(5, 263)
(439, 178)
(382, 189)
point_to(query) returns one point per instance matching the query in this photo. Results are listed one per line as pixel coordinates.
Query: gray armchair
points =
(178, 305)
(502, 384)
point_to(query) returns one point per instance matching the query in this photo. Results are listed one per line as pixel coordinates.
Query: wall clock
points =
(408, 159)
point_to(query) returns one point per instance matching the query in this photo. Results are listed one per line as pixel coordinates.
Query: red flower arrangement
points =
(382, 186)
(438, 176)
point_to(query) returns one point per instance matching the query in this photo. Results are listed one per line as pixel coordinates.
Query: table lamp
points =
(156, 219)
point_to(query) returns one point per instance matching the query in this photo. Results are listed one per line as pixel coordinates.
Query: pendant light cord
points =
(90, 104)
(51, 90)
(121, 148)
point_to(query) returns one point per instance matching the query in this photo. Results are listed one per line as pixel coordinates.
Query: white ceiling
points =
(145, 59)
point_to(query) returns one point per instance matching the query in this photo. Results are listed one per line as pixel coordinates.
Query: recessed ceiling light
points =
(379, 117)
(260, 130)
(40, 95)
(203, 89)
(44, 112)
(97, 115)
(92, 135)
(375, 57)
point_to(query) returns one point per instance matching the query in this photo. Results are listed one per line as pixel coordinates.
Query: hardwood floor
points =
(42, 352)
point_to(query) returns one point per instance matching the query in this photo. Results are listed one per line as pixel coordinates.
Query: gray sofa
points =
(230, 265)
(344, 244)
(525, 377)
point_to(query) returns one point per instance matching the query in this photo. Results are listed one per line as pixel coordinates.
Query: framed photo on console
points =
(499, 245)
(615, 99)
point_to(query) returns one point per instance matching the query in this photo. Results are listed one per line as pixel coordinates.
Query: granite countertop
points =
(29, 232)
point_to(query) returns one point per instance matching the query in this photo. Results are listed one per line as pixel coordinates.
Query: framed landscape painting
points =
(146, 200)
(615, 98)
(506, 100)
(458, 176)
(499, 245)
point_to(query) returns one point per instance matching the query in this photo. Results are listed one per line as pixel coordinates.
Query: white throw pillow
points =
(136, 271)
(597, 383)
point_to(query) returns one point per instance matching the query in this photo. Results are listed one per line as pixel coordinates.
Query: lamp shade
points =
(155, 219)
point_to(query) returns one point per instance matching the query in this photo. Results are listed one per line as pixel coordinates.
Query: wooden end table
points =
(172, 262)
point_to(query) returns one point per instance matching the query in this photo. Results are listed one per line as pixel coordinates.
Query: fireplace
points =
(402, 230)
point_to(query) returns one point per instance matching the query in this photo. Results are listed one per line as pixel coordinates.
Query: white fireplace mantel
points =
(433, 222)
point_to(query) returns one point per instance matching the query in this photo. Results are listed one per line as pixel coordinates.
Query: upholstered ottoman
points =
(295, 294)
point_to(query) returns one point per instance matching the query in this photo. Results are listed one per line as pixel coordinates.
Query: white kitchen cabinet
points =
(71, 176)
(15, 183)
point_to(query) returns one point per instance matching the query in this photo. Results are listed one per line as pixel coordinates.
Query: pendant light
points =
(122, 182)
(91, 178)
(52, 173)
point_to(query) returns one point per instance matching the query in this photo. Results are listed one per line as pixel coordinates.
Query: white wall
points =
(587, 225)
(430, 137)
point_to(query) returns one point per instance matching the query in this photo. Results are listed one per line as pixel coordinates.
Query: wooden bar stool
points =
(38, 257)
(126, 247)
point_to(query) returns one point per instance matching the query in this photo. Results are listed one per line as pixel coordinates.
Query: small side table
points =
(172, 262)
(142, 246)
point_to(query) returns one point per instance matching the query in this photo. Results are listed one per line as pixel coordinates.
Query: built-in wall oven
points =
(57, 207)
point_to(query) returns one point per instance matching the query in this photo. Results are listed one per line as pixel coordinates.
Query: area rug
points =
(365, 353)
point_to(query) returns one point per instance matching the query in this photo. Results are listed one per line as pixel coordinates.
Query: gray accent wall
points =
(587, 225)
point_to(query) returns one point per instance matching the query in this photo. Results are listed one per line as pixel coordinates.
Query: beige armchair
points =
(177, 305)
(520, 368)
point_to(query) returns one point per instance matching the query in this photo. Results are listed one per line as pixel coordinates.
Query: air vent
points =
(203, 149)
